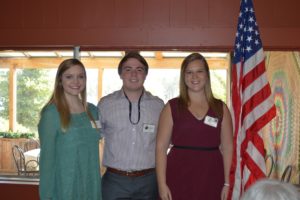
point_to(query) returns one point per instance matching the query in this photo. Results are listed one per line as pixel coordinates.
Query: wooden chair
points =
(269, 158)
(286, 176)
(24, 168)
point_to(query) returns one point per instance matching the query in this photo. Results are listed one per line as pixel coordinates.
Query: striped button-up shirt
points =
(129, 146)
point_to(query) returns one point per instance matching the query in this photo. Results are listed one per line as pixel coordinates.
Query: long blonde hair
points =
(184, 99)
(58, 96)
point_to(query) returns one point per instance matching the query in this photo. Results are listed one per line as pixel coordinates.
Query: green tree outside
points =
(4, 95)
(33, 91)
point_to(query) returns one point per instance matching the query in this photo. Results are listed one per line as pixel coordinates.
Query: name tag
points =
(98, 124)
(148, 128)
(211, 121)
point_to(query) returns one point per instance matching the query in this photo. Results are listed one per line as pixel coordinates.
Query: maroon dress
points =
(195, 164)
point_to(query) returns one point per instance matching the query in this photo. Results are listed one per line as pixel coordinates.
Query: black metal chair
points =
(286, 176)
(25, 168)
(269, 159)
(31, 144)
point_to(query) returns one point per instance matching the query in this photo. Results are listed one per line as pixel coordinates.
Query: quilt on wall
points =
(281, 135)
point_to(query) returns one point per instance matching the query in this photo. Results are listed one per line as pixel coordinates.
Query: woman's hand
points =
(164, 192)
(224, 192)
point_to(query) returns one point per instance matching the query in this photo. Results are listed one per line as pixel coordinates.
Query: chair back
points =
(269, 159)
(31, 144)
(25, 168)
(19, 158)
(286, 176)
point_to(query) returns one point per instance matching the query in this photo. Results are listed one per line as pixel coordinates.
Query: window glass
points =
(165, 87)
(164, 83)
(218, 78)
(92, 85)
(4, 74)
(34, 87)
(111, 81)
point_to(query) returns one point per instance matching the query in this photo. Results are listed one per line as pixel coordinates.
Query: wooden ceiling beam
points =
(157, 62)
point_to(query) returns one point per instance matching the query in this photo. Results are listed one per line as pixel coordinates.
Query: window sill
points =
(6, 179)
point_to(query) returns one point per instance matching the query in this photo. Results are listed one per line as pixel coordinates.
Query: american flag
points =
(252, 103)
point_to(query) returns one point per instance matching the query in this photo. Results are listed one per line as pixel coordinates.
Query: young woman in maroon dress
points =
(198, 128)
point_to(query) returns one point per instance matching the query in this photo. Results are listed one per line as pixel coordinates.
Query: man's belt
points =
(130, 173)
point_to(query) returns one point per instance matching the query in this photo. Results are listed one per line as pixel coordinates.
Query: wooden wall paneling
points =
(118, 24)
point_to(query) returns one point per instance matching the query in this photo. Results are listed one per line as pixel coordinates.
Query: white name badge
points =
(148, 128)
(211, 121)
(98, 124)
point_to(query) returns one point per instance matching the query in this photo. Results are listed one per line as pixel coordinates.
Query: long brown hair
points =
(184, 99)
(58, 97)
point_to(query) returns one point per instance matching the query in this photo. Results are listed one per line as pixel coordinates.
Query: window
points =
(4, 99)
(92, 85)
(164, 83)
(165, 87)
(33, 89)
(27, 80)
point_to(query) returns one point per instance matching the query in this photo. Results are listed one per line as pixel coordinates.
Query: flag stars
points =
(251, 19)
(250, 29)
(241, 25)
(249, 38)
(248, 49)
(247, 35)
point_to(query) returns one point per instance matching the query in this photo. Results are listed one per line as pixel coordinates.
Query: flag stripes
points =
(252, 104)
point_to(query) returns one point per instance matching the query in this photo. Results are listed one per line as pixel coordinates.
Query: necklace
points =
(130, 109)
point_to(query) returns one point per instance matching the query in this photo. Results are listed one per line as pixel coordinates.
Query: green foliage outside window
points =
(3, 95)
(33, 91)
(14, 135)
(218, 83)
